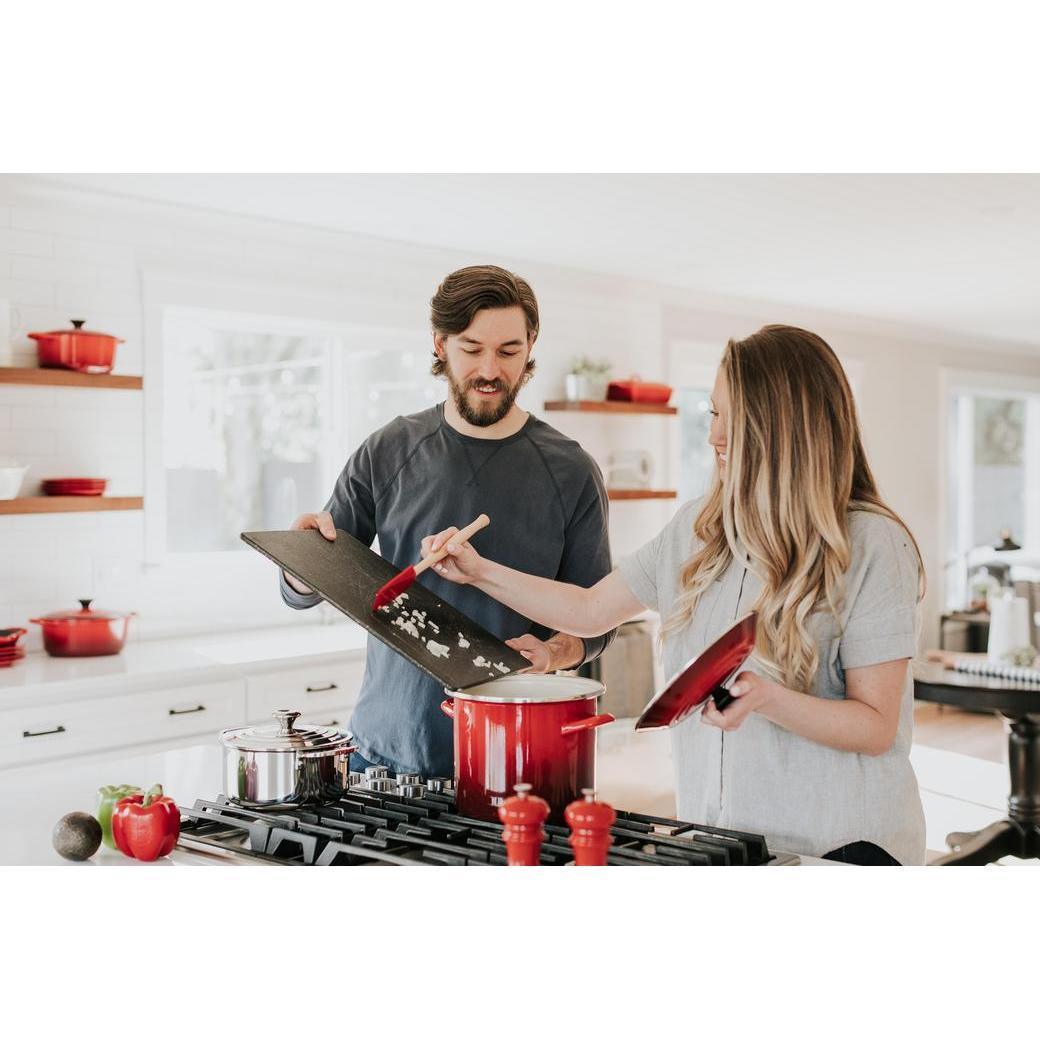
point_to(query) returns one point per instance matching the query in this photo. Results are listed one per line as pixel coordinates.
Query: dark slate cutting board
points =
(348, 574)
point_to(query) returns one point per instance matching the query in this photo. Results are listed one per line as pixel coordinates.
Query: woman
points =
(814, 750)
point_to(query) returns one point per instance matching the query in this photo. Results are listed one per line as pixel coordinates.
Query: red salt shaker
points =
(590, 822)
(522, 817)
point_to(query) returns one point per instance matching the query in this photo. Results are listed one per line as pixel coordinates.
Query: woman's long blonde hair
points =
(795, 468)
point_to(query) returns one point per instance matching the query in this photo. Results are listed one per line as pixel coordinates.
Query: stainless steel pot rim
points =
(531, 689)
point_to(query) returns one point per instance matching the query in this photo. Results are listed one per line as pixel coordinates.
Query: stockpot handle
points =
(448, 707)
(587, 723)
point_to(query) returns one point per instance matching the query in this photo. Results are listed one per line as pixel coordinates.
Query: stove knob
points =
(381, 783)
(409, 778)
(355, 779)
(411, 790)
(376, 772)
(435, 784)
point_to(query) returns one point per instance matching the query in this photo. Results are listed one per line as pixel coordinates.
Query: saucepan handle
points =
(448, 707)
(591, 722)
(722, 697)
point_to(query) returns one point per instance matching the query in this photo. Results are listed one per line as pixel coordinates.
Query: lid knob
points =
(78, 323)
(85, 603)
(590, 822)
(522, 817)
(286, 719)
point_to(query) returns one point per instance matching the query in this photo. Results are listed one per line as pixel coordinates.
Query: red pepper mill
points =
(590, 822)
(523, 816)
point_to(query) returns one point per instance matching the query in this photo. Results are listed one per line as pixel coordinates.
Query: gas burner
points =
(411, 822)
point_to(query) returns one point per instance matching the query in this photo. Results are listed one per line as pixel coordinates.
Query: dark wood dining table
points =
(1018, 834)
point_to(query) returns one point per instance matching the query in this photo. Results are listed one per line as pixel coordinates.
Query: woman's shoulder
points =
(880, 541)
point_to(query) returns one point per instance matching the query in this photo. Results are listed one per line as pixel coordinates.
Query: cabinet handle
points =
(322, 689)
(187, 711)
(42, 732)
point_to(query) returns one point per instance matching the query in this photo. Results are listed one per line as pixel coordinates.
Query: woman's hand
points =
(463, 564)
(751, 692)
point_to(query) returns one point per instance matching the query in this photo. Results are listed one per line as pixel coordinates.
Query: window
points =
(993, 438)
(260, 413)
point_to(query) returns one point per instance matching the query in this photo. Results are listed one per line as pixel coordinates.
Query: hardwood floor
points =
(968, 733)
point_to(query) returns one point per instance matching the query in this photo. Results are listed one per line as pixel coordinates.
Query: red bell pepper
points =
(146, 829)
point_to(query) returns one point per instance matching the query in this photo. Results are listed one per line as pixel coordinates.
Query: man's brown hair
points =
(472, 289)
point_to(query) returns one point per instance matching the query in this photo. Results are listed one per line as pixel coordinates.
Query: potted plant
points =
(587, 380)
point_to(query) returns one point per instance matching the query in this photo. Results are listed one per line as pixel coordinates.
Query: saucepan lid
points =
(283, 736)
(695, 682)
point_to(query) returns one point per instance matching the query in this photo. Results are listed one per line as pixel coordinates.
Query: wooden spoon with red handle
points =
(400, 582)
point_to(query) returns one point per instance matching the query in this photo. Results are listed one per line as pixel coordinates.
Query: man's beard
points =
(486, 413)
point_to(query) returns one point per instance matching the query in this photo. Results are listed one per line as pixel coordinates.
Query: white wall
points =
(66, 254)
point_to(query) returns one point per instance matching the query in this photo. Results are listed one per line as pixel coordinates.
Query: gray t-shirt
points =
(803, 796)
(416, 476)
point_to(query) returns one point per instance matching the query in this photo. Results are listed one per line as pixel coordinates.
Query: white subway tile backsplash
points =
(5, 416)
(29, 243)
(48, 268)
(23, 290)
(35, 396)
(92, 299)
(14, 442)
(5, 216)
(97, 250)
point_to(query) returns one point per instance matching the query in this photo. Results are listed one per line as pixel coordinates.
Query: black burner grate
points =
(374, 827)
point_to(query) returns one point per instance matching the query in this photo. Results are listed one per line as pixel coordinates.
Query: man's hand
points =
(311, 521)
(560, 652)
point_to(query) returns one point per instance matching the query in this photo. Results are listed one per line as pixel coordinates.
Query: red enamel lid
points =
(83, 614)
(694, 683)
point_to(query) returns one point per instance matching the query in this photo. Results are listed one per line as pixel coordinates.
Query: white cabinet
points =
(96, 724)
(323, 694)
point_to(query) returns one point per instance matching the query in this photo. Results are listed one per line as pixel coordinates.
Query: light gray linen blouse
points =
(802, 796)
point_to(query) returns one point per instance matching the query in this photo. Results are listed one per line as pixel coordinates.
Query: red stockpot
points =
(84, 632)
(77, 348)
(533, 729)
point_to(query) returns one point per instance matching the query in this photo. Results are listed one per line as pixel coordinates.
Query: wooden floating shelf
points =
(68, 504)
(627, 494)
(66, 377)
(619, 407)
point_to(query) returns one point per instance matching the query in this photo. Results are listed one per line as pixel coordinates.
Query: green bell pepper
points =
(107, 798)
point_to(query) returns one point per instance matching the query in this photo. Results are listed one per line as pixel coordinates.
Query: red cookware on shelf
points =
(522, 817)
(73, 485)
(534, 729)
(639, 392)
(10, 651)
(76, 348)
(84, 632)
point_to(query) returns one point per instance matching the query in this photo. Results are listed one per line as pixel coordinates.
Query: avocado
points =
(77, 835)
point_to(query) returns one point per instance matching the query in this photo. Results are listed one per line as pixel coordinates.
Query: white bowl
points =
(11, 480)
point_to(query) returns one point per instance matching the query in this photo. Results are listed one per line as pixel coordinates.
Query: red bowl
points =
(9, 637)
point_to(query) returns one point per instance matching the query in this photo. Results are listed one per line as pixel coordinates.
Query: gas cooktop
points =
(411, 822)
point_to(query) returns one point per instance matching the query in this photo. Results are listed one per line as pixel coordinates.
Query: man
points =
(477, 453)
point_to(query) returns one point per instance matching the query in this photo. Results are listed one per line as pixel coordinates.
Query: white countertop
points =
(41, 679)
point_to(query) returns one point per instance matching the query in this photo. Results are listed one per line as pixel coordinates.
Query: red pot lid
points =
(694, 683)
(84, 614)
(76, 330)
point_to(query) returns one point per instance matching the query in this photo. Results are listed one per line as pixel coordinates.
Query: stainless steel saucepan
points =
(269, 767)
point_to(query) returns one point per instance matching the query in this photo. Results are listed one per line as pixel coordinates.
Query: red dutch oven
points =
(77, 348)
(533, 729)
(84, 632)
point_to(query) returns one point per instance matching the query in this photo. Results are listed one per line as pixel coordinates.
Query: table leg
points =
(1019, 835)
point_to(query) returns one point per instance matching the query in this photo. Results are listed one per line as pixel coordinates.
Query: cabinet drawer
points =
(323, 694)
(82, 727)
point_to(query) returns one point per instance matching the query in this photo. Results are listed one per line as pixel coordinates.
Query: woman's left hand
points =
(751, 692)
